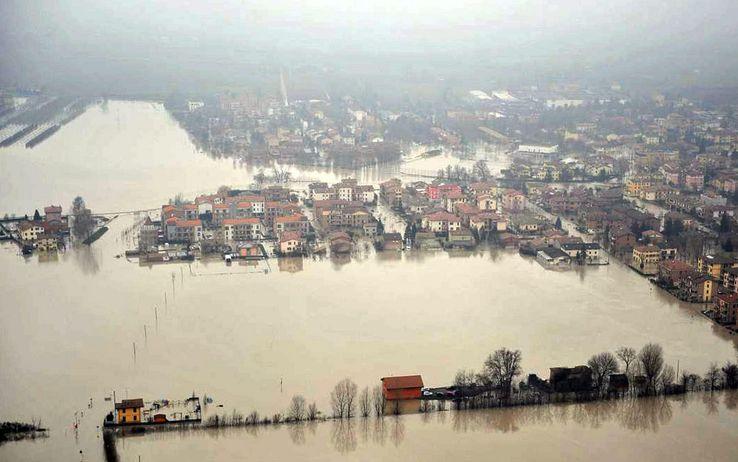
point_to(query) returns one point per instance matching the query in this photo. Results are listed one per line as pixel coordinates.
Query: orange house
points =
(402, 394)
(129, 410)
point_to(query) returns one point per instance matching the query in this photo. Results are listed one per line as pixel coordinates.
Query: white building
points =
(539, 148)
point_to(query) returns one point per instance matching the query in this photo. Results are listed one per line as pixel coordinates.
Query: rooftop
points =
(402, 382)
(130, 404)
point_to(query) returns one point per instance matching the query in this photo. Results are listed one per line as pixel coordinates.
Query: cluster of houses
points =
(266, 128)
(344, 207)
(714, 280)
(231, 217)
(44, 233)
(447, 214)
(578, 167)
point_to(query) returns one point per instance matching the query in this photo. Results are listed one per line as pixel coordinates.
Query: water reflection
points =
(290, 264)
(343, 436)
(648, 415)
(635, 415)
(87, 259)
(297, 431)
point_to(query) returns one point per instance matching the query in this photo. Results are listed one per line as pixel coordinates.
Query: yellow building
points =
(646, 254)
(715, 265)
(633, 186)
(129, 410)
(46, 243)
(30, 231)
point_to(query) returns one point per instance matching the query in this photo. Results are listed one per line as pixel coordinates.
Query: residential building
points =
(53, 213)
(291, 243)
(129, 411)
(441, 222)
(588, 252)
(646, 255)
(295, 222)
(715, 265)
(243, 229)
(513, 201)
(46, 243)
(553, 257)
(725, 306)
(673, 272)
(183, 230)
(29, 231)
(435, 191)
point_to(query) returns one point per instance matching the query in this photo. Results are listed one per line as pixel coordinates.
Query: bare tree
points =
(297, 408)
(602, 365)
(712, 377)
(501, 367)
(343, 398)
(465, 378)
(378, 401)
(651, 361)
(312, 412)
(481, 170)
(260, 177)
(365, 406)
(668, 376)
(253, 418)
(730, 375)
(627, 355)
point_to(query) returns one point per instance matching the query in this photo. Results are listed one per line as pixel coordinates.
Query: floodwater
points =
(697, 427)
(253, 336)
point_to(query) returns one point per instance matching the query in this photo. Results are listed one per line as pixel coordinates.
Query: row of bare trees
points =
(345, 397)
(645, 367)
(479, 171)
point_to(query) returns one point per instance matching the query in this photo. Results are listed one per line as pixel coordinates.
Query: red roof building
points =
(402, 387)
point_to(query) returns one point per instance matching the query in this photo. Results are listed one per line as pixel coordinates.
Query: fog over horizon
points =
(154, 47)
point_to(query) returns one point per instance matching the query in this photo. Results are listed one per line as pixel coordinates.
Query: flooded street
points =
(235, 333)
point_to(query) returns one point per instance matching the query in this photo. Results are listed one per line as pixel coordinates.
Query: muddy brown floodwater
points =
(69, 324)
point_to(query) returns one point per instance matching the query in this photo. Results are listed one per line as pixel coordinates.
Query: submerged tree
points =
(82, 221)
(501, 367)
(343, 398)
(378, 401)
(365, 407)
(712, 377)
(730, 375)
(480, 170)
(297, 408)
(651, 361)
(465, 378)
(602, 365)
(627, 355)
(312, 412)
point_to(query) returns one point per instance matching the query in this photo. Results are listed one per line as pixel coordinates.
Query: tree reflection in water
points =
(731, 401)
(343, 435)
(398, 430)
(297, 433)
(710, 400)
(646, 414)
(86, 258)
(379, 435)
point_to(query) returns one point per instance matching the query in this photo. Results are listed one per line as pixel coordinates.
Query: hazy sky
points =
(47, 40)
